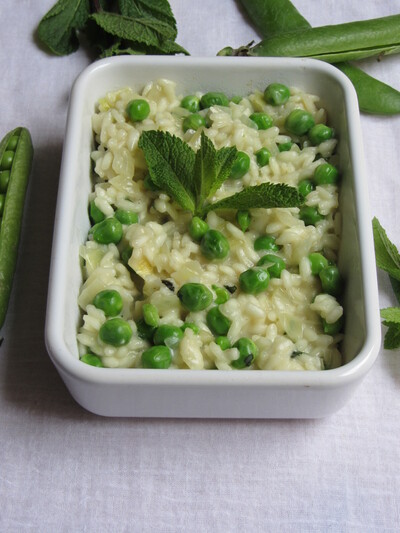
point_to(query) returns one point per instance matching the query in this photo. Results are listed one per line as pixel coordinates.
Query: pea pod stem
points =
(274, 17)
(13, 211)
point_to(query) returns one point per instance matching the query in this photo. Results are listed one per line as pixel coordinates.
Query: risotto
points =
(153, 297)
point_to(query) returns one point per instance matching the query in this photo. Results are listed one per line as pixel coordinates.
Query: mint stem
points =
(97, 6)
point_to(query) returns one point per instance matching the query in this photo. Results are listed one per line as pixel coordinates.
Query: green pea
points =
(241, 166)
(318, 262)
(222, 294)
(198, 228)
(92, 360)
(266, 242)
(305, 187)
(310, 215)
(320, 133)
(218, 323)
(190, 325)
(157, 357)
(116, 332)
(4, 180)
(108, 231)
(95, 214)
(273, 263)
(213, 98)
(223, 342)
(191, 103)
(285, 147)
(126, 254)
(276, 94)
(138, 109)
(169, 335)
(254, 280)
(126, 217)
(236, 99)
(109, 301)
(262, 120)
(332, 329)
(326, 174)
(145, 331)
(193, 122)
(263, 156)
(195, 296)
(214, 245)
(243, 218)
(7, 160)
(12, 142)
(2, 202)
(248, 351)
(150, 314)
(299, 122)
(331, 280)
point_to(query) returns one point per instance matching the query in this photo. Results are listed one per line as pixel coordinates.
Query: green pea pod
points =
(13, 210)
(273, 18)
(335, 43)
(374, 96)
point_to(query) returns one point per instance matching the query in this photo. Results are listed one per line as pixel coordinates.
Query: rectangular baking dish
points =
(203, 393)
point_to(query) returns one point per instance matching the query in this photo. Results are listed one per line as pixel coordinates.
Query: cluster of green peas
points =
(331, 283)
(324, 174)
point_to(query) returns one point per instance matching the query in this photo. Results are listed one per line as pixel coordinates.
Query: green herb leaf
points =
(392, 336)
(190, 178)
(157, 9)
(391, 314)
(387, 255)
(171, 165)
(57, 29)
(265, 196)
(396, 287)
(149, 31)
(211, 169)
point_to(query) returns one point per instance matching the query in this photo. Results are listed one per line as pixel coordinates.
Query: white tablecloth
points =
(63, 469)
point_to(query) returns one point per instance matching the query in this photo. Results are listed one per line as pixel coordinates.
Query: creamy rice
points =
(284, 321)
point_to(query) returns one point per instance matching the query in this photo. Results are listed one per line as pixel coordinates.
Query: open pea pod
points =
(274, 18)
(16, 153)
(340, 42)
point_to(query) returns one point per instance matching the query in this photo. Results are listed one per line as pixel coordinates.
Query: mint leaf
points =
(266, 195)
(391, 314)
(396, 287)
(171, 164)
(212, 168)
(145, 30)
(392, 336)
(158, 9)
(386, 253)
(58, 28)
(225, 158)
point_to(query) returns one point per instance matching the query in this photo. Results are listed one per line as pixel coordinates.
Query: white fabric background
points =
(65, 470)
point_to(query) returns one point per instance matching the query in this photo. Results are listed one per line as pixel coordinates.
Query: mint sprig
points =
(191, 178)
(388, 259)
(113, 27)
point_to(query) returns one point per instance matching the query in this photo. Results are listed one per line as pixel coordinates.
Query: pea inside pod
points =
(19, 143)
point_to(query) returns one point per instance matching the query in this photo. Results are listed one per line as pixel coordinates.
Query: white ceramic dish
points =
(203, 393)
